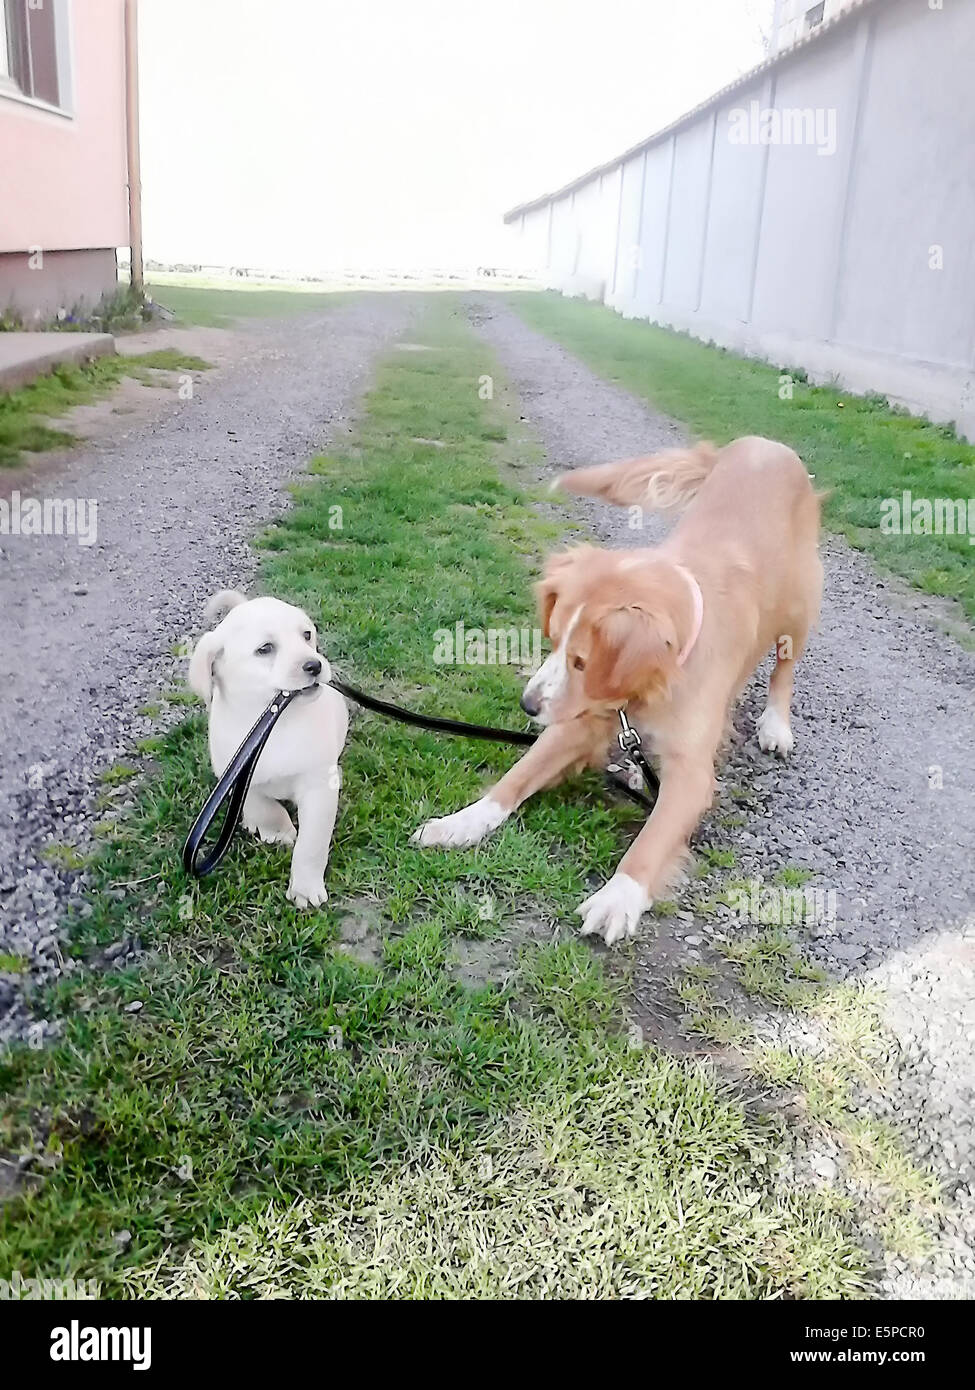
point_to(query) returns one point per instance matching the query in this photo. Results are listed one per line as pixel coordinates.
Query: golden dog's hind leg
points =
(775, 723)
(801, 611)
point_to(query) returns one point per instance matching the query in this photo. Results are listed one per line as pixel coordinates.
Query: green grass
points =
(857, 446)
(564, 1200)
(281, 1118)
(25, 413)
(118, 772)
(770, 966)
(214, 306)
(64, 857)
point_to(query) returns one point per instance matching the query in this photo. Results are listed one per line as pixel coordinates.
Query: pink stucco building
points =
(63, 165)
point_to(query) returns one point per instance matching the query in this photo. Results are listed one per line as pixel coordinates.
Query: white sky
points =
(314, 135)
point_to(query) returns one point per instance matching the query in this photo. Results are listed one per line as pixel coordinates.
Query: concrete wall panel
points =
(648, 282)
(688, 215)
(805, 190)
(810, 237)
(914, 189)
(737, 190)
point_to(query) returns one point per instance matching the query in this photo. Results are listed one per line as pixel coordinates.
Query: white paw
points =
(615, 911)
(774, 734)
(463, 828)
(273, 834)
(307, 891)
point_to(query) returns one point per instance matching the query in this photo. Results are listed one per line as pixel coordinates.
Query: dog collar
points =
(698, 599)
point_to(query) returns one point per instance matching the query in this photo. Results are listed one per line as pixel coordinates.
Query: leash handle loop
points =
(232, 787)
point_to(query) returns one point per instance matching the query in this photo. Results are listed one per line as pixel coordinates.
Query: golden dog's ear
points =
(200, 674)
(546, 593)
(633, 653)
(547, 588)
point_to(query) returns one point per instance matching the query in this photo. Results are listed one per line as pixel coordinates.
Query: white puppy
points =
(260, 647)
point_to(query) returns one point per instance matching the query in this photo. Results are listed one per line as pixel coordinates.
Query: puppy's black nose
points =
(530, 704)
(312, 668)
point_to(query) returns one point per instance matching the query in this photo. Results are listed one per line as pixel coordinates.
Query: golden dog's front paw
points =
(615, 911)
(462, 829)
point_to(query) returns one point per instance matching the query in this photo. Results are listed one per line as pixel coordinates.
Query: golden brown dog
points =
(670, 634)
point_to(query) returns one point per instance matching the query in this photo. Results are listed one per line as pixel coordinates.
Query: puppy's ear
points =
(200, 674)
(220, 605)
(634, 653)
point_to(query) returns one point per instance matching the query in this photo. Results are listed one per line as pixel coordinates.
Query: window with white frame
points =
(29, 51)
(4, 73)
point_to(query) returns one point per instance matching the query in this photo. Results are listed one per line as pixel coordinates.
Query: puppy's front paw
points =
(268, 820)
(774, 734)
(273, 834)
(614, 912)
(307, 891)
(462, 829)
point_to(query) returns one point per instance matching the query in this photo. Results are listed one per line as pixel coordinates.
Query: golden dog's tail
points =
(663, 482)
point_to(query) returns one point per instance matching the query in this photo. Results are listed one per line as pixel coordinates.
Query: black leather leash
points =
(232, 787)
(429, 721)
(233, 784)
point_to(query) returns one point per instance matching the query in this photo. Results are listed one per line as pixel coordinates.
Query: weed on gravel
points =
(819, 1052)
(274, 1103)
(25, 414)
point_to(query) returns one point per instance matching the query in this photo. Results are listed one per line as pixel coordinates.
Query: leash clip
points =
(640, 774)
(628, 738)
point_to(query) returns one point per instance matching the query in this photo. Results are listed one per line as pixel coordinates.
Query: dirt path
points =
(90, 630)
(879, 800)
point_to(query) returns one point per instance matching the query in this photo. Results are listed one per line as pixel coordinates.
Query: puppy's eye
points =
(579, 663)
(306, 636)
(266, 650)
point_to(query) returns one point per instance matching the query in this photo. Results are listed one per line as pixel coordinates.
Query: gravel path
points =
(879, 799)
(89, 631)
